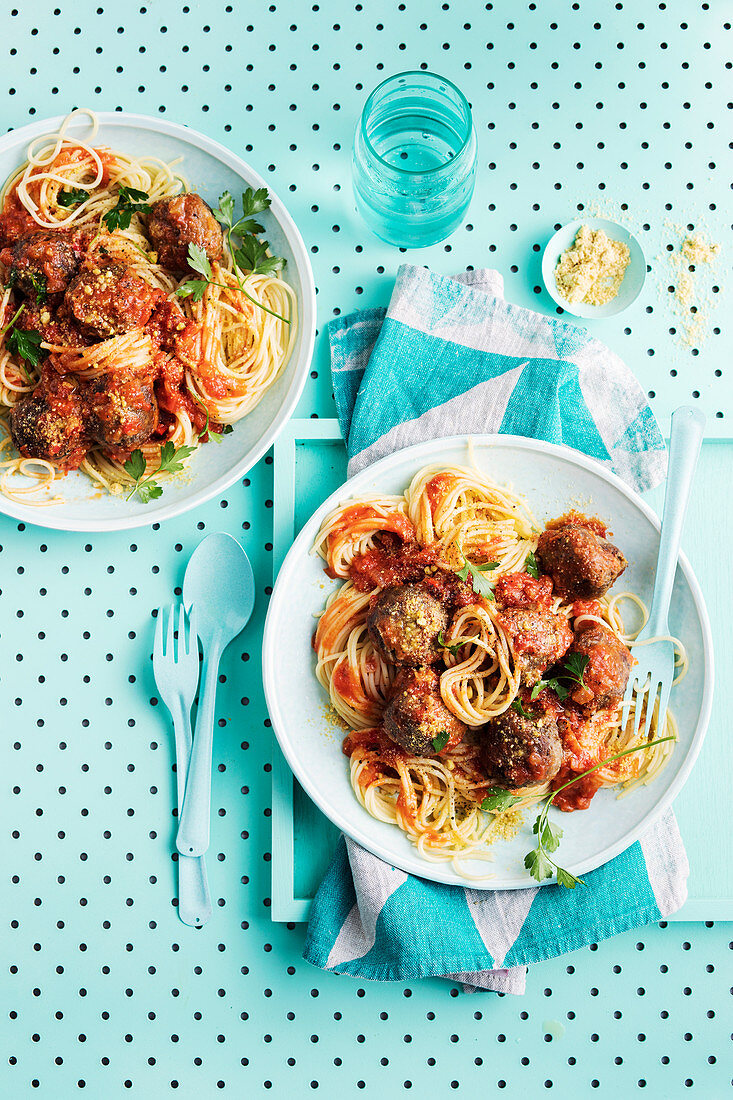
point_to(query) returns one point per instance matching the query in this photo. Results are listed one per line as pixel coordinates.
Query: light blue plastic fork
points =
(654, 672)
(176, 671)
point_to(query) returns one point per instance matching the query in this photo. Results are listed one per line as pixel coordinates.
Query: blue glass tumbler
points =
(414, 159)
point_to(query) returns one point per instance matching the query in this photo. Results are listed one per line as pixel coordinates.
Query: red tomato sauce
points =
(15, 221)
(348, 684)
(390, 563)
(437, 488)
(524, 591)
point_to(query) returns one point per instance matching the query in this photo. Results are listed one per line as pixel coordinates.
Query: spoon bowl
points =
(219, 584)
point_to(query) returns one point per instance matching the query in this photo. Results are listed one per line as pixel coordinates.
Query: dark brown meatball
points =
(417, 714)
(540, 638)
(120, 413)
(582, 565)
(521, 752)
(54, 325)
(607, 673)
(42, 264)
(107, 301)
(174, 224)
(49, 423)
(404, 624)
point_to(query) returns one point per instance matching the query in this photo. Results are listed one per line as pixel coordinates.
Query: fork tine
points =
(170, 641)
(158, 642)
(663, 704)
(637, 709)
(627, 702)
(651, 698)
(182, 647)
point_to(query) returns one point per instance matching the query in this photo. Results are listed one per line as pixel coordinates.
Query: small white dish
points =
(633, 280)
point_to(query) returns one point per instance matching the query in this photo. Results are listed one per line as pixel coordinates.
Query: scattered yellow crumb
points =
(699, 251)
(592, 270)
(691, 297)
(506, 825)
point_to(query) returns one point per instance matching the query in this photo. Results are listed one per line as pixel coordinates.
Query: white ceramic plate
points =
(552, 479)
(633, 279)
(210, 170)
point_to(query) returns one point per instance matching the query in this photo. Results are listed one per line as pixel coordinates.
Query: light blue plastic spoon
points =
(220, 584)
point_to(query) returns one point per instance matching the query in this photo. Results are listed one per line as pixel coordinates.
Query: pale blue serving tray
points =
(105, 992)
(310, 462)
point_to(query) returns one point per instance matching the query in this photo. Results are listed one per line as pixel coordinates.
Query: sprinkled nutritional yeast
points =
(592, 270)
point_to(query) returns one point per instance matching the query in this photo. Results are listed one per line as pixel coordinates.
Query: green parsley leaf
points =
(479, 584)
(441, 740)
(135, 465)
(551, 836)
(538, 864)
(194, 287)
(575, 664)
(26, 343)
(566, 879)
(517, 706)
(199, 261)
(216, 437)
(252, 256)
(147, 488)
(254, 202)
(129, 201)
(71, 198)
(225, 213)
(171, 457)
(531, 566)
(498, 799)
(554, 684)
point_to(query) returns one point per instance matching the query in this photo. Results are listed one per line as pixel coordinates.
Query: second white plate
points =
(552, 479)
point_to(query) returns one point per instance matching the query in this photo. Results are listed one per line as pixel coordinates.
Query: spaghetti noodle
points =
(232, 345)
(457, 520)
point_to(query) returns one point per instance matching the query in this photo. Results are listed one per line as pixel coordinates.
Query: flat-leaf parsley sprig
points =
(25, 343)
(538, 862)
(479, 583)
(171, 462)
(129, 201)
(574, 666)
(250, 258)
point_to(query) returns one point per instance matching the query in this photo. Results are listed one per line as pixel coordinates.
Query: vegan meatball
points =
(521, 752)
(107, 301)
(582, 565)
(120, 412)
(49, 423)
(607, 672)
(539, 639)
(417, 714)
(404, 624)
(174, 224)
(41, 264)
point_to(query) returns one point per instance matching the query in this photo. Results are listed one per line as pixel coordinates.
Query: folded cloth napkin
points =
(451, 356)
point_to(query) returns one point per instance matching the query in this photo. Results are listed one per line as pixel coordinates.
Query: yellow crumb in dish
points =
(591, 272)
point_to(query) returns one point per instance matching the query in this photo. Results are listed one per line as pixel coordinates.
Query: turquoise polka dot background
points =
(616, 108)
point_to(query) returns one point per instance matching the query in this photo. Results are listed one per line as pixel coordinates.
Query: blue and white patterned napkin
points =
(451, 356)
